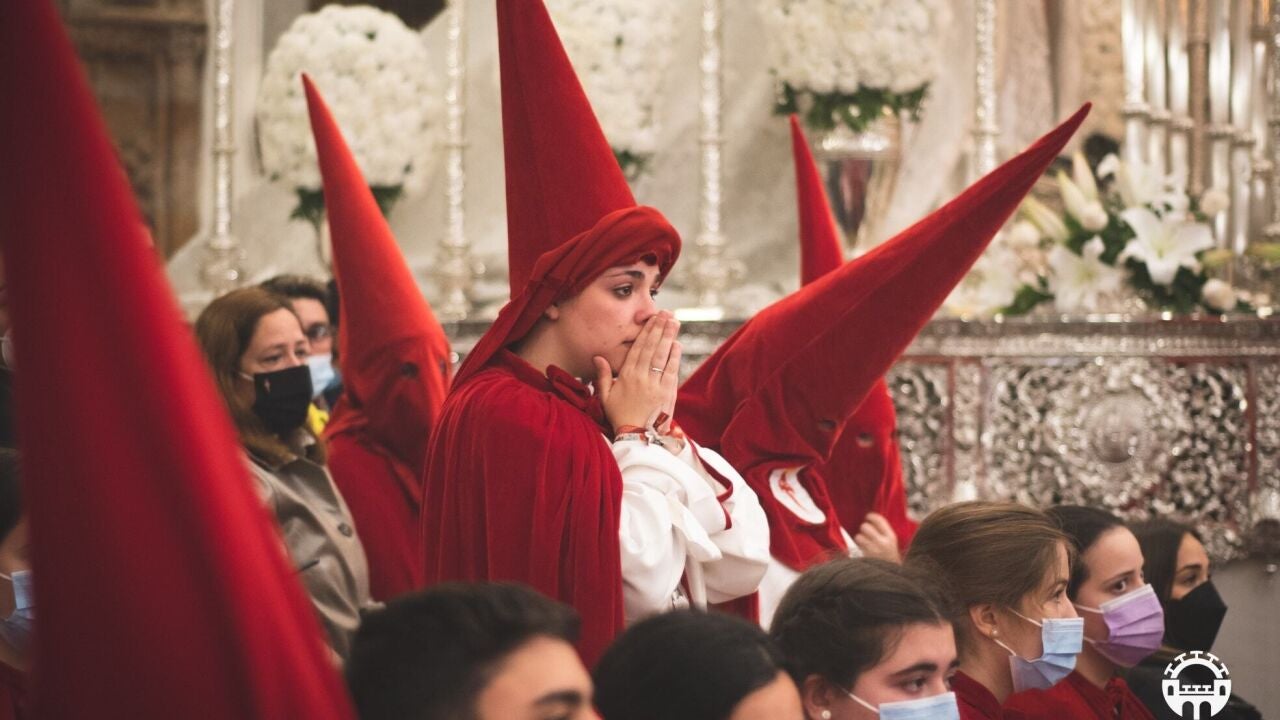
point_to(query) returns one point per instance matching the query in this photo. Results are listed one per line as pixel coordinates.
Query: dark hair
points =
(1083, 525)
(10, 491)
(969, 547)
(294, 287)
(842, 617)
(429, 654)
(684, 665)
(1160, 540)
(332, 302)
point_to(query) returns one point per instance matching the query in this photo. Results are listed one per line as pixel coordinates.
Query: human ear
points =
(983, 617)
(816, 695)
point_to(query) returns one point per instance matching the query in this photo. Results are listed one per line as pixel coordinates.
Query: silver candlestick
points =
(985, 129)
(712, 273)
(455, 268)
(221, 271)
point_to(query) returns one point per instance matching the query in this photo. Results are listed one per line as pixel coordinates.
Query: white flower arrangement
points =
(1140, 234)
(620, 50)
(851, 61)
(373, 73)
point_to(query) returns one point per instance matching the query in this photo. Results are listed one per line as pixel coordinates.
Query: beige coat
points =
(322, 542)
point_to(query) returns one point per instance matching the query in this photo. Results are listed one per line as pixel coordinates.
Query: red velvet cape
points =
(521, 485)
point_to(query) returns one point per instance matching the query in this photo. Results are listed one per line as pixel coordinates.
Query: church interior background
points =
(1115, 346)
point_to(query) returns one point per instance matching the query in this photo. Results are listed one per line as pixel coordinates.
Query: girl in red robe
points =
(1122, 616)
(585, 491)
(1006, 566)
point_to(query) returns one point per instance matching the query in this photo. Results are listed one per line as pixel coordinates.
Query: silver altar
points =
(1138, 415)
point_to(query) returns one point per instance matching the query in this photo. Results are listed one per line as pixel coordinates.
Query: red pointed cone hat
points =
(164, 590)
(386, 323)
(570, 213)
(807, 361)
(820, 251)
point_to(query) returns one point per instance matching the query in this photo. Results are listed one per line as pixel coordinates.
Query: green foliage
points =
(856, 110)
(311, 203)
(1028, 297)
(633, 164)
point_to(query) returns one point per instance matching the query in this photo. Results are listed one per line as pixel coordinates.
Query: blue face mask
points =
(322, 373)
(1063, 639)
(938, 707)
(16, 629)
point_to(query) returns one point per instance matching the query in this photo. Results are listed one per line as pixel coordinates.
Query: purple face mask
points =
(1135, 626)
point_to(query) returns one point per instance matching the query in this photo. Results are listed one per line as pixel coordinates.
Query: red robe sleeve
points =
(385, 500)
(521, 486)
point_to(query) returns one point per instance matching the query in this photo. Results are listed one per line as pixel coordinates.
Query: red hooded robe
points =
(519, 483)
(163, 589)
(395, 368)
(780, 390)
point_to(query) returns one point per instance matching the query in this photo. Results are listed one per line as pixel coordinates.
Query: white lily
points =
(1164, 244)
(990, 286)
(1046, 220)
(1078, 281)
(1083, 176)
(1087, 211)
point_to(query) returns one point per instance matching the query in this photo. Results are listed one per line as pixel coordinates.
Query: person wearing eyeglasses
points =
(309, 299)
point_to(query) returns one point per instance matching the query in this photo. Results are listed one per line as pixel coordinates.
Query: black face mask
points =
(1192, 623)
(282, 397)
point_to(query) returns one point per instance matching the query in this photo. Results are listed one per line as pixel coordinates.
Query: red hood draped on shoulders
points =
(520, 484)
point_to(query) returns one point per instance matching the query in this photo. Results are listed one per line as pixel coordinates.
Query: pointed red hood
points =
(570, 213)
(781, 388)
(394, 354)
(820, 250)
(164, 590)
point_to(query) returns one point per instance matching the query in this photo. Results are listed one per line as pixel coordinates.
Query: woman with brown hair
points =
(255, 346)
(1006, 567)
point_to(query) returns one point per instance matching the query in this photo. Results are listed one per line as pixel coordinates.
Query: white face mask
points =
(936, 707)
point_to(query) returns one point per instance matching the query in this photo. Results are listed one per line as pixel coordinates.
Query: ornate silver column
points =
(1260, 182)
(985, 129)
(1198, 58)
(1154, 34)
(1179, 81)
(1243, 139)
(1272, 231)
(455, 269)
(221, 271)
(1135, 110)
(712, 273)
(1219, 130)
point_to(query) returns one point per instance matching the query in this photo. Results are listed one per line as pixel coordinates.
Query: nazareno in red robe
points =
(520, 481)
(395, 364)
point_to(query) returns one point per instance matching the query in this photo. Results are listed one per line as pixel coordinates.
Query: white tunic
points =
(672, 525)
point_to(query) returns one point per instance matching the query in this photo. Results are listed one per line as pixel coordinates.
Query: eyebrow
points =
(560, 697)
(1118, 576)
(1190, 566)
(925, 667)
(635, 274)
